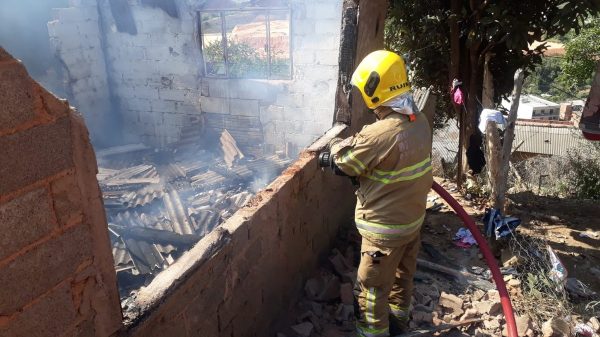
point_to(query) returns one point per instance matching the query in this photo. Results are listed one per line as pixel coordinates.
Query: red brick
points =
(82, 329)
(35, 154)
(243, 262)
(202, 326)
(164, 327)
(66, 197)
(16, 94)
(53, 105)
(24, 220)
(4, 55)
(245, 321)
(32, 274)
(50, 316)
(205, 305)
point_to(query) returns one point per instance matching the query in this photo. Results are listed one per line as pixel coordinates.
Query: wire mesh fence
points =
(445, 150)
(542, 284)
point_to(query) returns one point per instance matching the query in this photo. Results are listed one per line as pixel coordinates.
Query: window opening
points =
(246, 43)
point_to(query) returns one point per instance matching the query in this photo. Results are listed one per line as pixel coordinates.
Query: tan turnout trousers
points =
(384, 284)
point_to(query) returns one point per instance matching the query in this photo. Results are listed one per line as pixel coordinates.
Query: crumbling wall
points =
(236, 281)
(155, 70)
(75, 37)
(55, 262)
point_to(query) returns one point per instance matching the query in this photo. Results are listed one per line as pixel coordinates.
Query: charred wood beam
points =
(348, 46)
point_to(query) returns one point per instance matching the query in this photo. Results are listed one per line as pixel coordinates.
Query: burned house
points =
(198, 167)
(193, 106)
(264, 70)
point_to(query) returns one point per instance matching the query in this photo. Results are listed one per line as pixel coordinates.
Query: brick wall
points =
(238, 281)
(156, 75)
(55, 261)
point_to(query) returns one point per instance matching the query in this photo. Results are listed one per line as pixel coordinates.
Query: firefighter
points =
(391, 161)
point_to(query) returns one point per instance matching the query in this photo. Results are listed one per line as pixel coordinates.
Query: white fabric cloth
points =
(491, 115)
(403, 104)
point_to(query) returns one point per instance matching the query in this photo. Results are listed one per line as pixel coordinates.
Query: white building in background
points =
(533, 107)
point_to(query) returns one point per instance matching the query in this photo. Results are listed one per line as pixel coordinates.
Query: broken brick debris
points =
(303, 329)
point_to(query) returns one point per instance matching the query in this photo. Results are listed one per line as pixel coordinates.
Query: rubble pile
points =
(442, 304)
(327, 308)
(160, 203)
(455, 295)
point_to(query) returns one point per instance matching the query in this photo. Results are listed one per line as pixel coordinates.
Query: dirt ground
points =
(570, 227)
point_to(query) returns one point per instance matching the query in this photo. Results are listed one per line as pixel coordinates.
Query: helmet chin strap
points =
(382, 112)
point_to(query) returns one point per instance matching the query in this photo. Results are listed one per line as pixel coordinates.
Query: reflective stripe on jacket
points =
(391, 159)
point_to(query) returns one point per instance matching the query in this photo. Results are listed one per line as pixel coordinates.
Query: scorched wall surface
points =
(155, 74)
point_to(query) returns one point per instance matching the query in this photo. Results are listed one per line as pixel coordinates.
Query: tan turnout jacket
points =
(391, 159)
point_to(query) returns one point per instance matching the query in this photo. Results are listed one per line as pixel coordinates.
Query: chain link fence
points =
(540, 159)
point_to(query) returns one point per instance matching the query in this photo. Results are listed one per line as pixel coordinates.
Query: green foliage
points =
(546, 80)
(504, 28)
(568, 77)
(584, 172)
(582, 53)
(244, 61)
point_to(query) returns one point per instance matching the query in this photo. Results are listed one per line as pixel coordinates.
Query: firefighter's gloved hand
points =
(333, 142)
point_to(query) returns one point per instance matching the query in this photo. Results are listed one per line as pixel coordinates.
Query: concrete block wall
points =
(155, 73)
(75, 37)
(291, 112)
(56, 266)
(239, 280)
(157, 76)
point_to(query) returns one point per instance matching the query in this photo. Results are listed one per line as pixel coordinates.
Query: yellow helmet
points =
(380, 77)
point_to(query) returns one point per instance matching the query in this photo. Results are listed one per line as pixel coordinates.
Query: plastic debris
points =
(588, 235)
(578, 290)
(499, 225)
(464, 238)
(583, 330)
(558, 273)
(493, 116)
(456, 92)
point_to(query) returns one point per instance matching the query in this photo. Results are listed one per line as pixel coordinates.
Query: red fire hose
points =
(507, 308)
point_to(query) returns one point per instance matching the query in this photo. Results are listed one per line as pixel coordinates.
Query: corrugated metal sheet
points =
(445, 142)
(189, 197)
(546, 140)
(540, 139)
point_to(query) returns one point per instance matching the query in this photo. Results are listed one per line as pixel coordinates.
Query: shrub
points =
(584, 172)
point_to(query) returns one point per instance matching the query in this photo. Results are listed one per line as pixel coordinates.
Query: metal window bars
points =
(268, 12)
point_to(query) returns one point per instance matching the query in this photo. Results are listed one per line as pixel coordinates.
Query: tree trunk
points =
(494, 161)
(487, 99)
(473, 156)
(454, 73)
(509, 136)
(493, 149)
